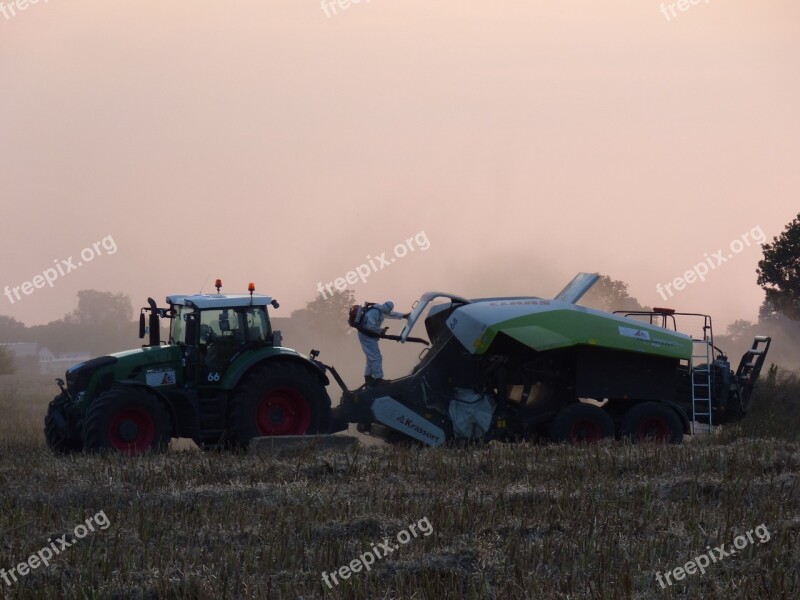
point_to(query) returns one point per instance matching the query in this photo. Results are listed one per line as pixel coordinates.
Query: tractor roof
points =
(219, 300)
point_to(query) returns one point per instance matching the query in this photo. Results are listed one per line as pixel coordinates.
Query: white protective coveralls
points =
(373, 320)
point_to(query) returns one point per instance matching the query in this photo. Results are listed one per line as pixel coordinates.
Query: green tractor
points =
(221, 379)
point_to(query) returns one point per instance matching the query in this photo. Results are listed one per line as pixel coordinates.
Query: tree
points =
(6, 361)
(59, 337)
(609, 295)
(327, 317)
(779, 271)
(12, 330)
(102, 323)
(741, 330)
(101, 308)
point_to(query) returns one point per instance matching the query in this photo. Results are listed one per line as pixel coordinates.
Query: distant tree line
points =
(779, 316)
(103, 322)
(778, 274)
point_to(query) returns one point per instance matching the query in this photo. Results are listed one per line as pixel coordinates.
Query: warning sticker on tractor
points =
(157, 378)
(634, 333)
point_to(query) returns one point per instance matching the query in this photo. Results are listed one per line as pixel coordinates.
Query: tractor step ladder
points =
(211, 413)
(702, 381)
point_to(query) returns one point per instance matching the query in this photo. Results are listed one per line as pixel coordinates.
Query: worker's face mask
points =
(422, 240)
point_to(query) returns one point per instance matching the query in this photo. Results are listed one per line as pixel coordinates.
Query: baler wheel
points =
(581, 424)
(652, 422)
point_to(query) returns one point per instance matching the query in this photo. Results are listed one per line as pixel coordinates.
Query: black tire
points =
(652, 422)
(129, 421)
(278, 399)
(581, 424)
(56, 437)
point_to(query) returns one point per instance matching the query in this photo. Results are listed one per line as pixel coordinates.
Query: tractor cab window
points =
(222, 334)
(258, 329)
(178, 324)
(221, 326)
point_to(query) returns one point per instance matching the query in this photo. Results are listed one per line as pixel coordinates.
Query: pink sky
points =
(266, 141)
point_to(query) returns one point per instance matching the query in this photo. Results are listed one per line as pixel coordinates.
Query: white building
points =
(49, 364)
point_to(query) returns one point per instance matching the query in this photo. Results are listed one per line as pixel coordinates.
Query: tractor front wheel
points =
(55, 435)
(280, 399)
(652, 422)
(129, 421)
(581, 424)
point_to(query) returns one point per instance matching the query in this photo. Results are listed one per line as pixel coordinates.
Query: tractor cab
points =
(212, 329)
(215, 328)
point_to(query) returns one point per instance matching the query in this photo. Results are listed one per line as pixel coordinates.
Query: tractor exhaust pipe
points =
(154, 324)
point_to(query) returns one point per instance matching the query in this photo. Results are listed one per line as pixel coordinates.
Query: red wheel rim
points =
(283, 412)
(654, 429)
(585, 431)
(132, 430)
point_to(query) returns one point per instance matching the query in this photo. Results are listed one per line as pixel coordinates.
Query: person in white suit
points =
(368, 335)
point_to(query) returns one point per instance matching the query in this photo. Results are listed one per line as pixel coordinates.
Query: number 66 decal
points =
(213, 376)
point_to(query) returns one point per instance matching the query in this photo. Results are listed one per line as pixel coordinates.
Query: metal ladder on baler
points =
(702, 382)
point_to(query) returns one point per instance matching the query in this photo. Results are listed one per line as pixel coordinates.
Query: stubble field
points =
(506, 520)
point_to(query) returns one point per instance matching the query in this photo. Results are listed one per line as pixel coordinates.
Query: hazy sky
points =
(524, 140)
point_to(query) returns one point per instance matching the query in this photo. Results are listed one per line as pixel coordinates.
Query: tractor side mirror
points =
(141, 325)
(277, 338)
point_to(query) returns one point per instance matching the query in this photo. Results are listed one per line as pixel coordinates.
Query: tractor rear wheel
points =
(55, 436)
(129, 421)
(652, 422)
(581, 424)
(279, 399)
